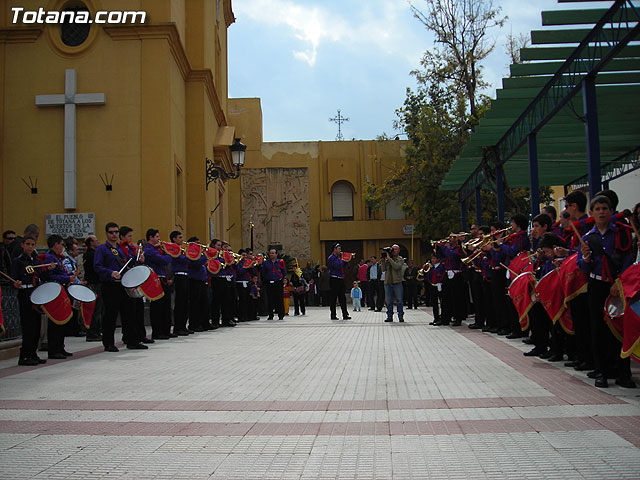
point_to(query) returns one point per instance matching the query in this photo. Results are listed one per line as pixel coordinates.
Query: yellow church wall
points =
(107, 135)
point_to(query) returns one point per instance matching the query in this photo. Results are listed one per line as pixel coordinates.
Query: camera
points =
(386, 251)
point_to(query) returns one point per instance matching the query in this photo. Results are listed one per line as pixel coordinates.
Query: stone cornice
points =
(229, 17)
(169, 32)
(19, 35)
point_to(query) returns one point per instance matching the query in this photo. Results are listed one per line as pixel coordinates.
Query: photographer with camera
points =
(393, 266)
(336, 280)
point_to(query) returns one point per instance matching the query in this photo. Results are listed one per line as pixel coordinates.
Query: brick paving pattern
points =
(313, 398)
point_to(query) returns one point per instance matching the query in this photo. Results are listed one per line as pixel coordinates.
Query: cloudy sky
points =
(307, 58)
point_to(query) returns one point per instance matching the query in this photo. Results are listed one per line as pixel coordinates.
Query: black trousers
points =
(498, 294)
(275, 298)
(243, 302)
(30, 324)
(453, 299)
(478, 299)
(412, 294)
(116, 301)
(160, 311)
(198, 304)
(487, 302)
(337, 293)
(582, 327)
(436, 298)
(299, 303)
(181, 302)
(372, 291)
(364, 286)
(606, 347)
(137, 330)
(540, 326)
(380, 296)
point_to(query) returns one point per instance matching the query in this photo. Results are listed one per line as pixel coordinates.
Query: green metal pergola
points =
(570, 139)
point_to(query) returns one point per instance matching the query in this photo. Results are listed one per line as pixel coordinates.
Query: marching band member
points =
(179, 268)
(243, 278)
(198, 293)
(453, 284)
(273, 271)
(217, 284)
(230, 297)
(160, 310)
(336, 278)
(55, 332)
(433, 281)
(29, 316)
(136, 307)
(109, 259)
(604, 254)
(498, 282)
(507, 250)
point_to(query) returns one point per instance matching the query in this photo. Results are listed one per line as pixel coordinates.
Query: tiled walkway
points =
(312, 398)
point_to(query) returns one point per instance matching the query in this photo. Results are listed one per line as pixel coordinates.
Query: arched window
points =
(73, 33)
(393, 210)
(342, 201)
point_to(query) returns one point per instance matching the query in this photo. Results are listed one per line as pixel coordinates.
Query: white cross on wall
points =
(70, 99)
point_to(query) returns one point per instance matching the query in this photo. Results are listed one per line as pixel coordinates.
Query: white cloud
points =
(377, 26)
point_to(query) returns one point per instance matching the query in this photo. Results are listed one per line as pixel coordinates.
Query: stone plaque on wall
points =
(276, 200)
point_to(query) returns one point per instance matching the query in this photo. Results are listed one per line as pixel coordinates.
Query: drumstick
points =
(30, 268)
(7, 277)
(578, 235)
(125, 266)
(512, 272)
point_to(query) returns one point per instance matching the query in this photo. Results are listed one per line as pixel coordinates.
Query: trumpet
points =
(423, 271)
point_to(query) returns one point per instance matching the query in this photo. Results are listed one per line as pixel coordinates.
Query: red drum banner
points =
(574, 281)
(521, 292)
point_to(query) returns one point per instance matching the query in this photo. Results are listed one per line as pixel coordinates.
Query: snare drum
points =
(141, 281)
(84, 299)
(54, 301)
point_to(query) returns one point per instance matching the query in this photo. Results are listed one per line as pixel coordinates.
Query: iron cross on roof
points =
(339, 120)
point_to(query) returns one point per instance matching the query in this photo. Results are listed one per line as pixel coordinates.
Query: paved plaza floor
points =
(308, 397)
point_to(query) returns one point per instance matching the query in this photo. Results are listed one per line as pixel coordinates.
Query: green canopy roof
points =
(561, 141)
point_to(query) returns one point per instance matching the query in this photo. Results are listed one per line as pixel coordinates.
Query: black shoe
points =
(486, 329)
(546, 355)
(456, 323)
(28, 362)
(270, 317)
(593, 374)
(173, 335)
(536, 352)
(475, 326)
(181, 333)
(372, 309)
(494, 330)
(57, 356)
(573, 363)
(229, 324)
(625, 382)
(503, 332)
(332, 318)
(514, 335)
(346, 318)
(39, 360)
(137, 346)
(67, 354)
(160, 337)
(378, 310)
(190, 331)
(401, 320)
(583, 367)
(148, 340)
(388, 320)
(527, 341)
(556, 358)
(111, 348)
(94, 338)
(197, 329)
(601, 381)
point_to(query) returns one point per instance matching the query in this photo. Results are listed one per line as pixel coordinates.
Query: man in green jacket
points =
(393, 266)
